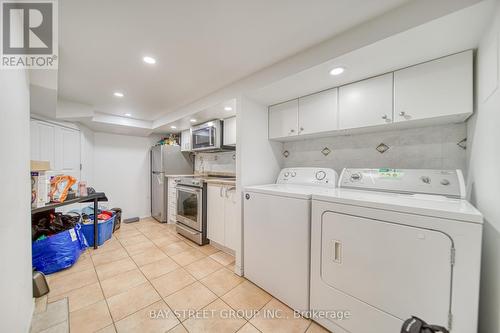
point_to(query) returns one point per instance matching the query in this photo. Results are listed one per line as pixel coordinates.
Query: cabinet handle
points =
(301, 129)
(220, 192)
(292, 131)
(402, 113)
(384, 117)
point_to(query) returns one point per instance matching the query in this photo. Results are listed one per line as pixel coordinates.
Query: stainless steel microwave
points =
(209, 137)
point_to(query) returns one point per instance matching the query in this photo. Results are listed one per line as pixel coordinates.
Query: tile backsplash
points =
(417, 148)
(215, 162)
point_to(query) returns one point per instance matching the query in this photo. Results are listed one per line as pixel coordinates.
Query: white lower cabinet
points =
(215, 214)
(222, 215)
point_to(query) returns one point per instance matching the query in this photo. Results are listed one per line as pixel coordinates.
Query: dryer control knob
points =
(294, 174)
(320, 175)
(445, 182)
(287, 174)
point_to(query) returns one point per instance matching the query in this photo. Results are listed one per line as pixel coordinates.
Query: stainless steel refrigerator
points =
(165, 160)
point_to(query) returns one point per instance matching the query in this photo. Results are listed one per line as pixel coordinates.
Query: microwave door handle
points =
(210, 136)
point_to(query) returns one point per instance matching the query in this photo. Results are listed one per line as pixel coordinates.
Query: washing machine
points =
(388, 244)
(277, 233)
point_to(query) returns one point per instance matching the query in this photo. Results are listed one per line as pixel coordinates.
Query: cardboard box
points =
(40, 165)
(40, 189)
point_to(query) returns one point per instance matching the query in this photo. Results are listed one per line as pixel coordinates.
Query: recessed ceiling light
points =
(128, 114)
(149, 60)
(193, 120)
(118, 94)
(173, 127)
(228, 108)
(337, 71)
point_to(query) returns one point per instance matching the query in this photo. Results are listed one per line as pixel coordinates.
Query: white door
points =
(437, 88)
(318, 112)
(70, 150)
(283, 119)
(366, 103)
(231, 218)
(230, 131)
(35, 140)
(399, 270)
(215, 213)
(47, 148)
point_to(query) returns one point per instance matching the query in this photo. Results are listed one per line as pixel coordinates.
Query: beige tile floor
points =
(147, 270)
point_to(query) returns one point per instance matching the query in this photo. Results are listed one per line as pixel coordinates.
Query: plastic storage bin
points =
(104, 231)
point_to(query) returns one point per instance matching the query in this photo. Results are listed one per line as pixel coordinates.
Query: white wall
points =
(122, 170)
(258, 160)
(16, 302)
(87, 155)
(484, 175)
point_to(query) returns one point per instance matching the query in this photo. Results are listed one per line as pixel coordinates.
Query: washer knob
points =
(294, 174)
(287, 174)
(445, 182)
(426, 179)
(320, 175)
(355, 177)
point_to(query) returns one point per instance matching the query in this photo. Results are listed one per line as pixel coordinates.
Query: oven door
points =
(204, 138)
(190, 206)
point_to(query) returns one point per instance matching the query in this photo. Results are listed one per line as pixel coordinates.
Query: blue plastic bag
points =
(59, 251)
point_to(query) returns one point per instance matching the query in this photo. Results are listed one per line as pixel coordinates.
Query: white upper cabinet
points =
(230, 131)
(57, 144)
(437, 88)
(366, 103)
(283, 119)
(70, 150)
(186, 140)
(318, 112)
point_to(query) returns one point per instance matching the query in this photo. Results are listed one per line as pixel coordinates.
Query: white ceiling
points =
(200, 46)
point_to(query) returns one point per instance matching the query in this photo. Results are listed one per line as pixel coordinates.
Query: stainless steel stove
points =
(192, 209)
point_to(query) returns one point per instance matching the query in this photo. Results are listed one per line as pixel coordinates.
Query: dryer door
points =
(395, 269)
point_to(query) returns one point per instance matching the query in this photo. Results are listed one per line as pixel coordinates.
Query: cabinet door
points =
(35, 140)
(437, 88)
(366, 103)
(215, 214)
(47, 149)
(318, 112)
(230, 131)
(283, 119)
(70, 149)
(231, 218)
(186, 140)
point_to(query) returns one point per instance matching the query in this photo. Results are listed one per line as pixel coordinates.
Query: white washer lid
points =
(287, 190)
(429, 205)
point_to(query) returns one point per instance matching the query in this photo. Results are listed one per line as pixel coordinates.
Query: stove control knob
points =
(294, 174)
(287, 174)
(196, 182)
(320, 175)
(445, 182)
(355, 177)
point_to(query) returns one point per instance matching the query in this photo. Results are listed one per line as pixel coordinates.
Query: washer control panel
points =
(449, 183)
(308, 176)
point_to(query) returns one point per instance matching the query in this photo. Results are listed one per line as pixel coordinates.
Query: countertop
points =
(212, 177)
